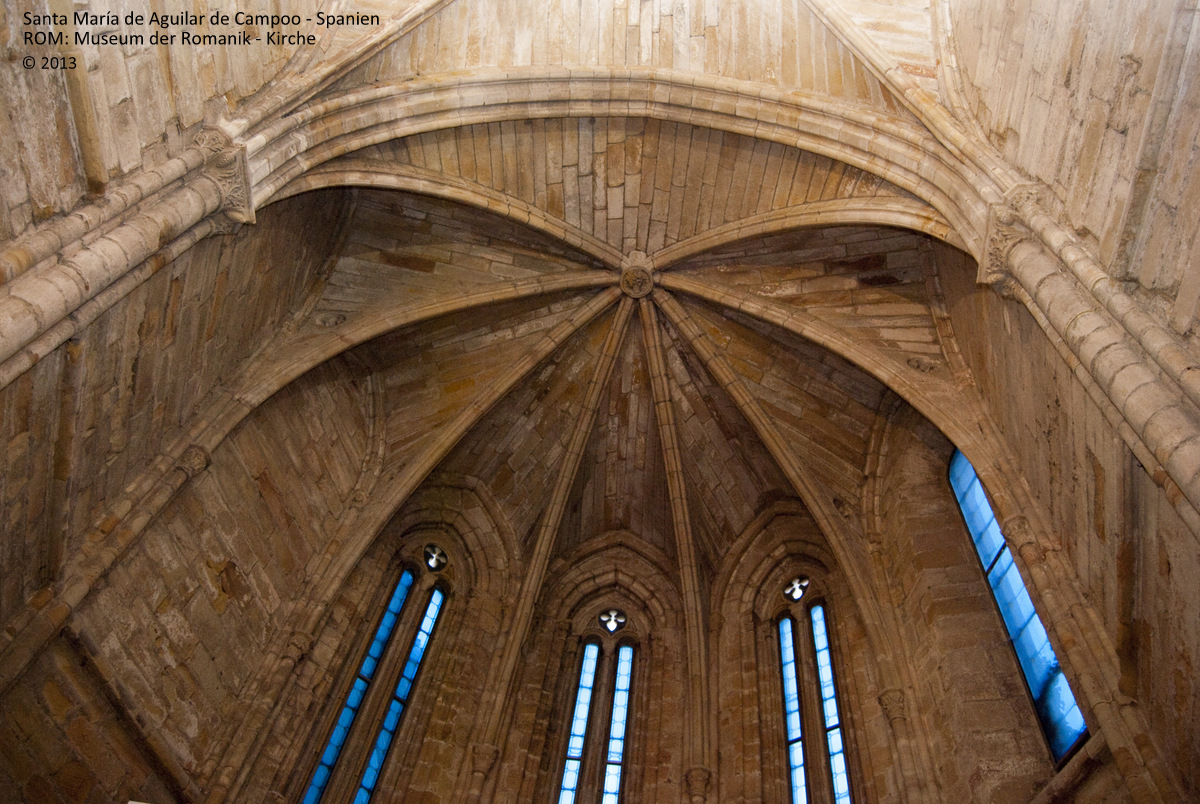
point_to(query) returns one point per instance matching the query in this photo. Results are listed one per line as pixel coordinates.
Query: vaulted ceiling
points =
(632, 396)
(636, 267)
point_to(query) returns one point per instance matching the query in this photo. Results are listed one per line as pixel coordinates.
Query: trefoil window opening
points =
(613, 620)
(795, 588)
(435, 558)
(1053, 700)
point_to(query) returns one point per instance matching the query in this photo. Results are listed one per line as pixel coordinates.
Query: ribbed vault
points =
(657, 301)
(619, 405)
(868, 282)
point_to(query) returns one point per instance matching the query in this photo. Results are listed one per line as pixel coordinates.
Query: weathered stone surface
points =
(642, 306)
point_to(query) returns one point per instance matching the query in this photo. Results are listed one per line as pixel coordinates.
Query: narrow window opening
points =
(833, 724)
(1055, 704)
(791, 712)
(366, 671)
(579, 721)
(396, 707)
(616, 730)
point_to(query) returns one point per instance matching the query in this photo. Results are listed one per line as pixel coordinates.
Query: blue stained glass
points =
(391, 720)
(791, 711)
(570, 782)
(799, 783)
(1055, 704)
(833, 732)
(616, 729)
(383, 634)
(579, 719)
(612, 784)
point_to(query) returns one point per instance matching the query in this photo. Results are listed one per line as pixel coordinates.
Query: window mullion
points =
(816, 751)
(597, 741)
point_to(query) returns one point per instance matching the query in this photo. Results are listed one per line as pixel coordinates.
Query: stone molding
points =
(350, 171)
(889, 147)
(1003, 234)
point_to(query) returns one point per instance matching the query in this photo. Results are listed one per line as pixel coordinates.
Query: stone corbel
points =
(298, 646)
(194, 460)
(894, 705)
(1003, 234)
(696, 781)
(226, 163)
(1004, 230)
(483, 759)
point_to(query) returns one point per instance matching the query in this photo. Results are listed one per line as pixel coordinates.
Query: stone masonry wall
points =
(84, 423)
(132, 106)
(184, 620)
(969, 700)
(1137, 562)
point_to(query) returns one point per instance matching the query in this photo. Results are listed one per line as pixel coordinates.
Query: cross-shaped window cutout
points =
(613, 620)
(435, 557)
(796, 588)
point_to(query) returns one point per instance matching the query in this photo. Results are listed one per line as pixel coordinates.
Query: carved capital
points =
(894, 705)
(1015, 526)
(1019, 533)
(223, 225)
(1024, 198)
(925, 365)
(298, 646)
(696, 782)
(483, 757)
(193, 461)
(1003, 233)
(226, 163)
(211, 141)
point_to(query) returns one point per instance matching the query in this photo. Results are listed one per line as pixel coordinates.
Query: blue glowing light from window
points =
(616, 729)
(1055, 705)
(579, 720)
(391, 720)
(337, 739)
(833, 725)
(791, 712)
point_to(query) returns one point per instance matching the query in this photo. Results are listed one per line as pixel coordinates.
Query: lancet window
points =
(372, 712)
(1053, 700)
(596, 752)
(814, 732)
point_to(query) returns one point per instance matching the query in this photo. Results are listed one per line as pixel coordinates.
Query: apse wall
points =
(85, 422)
(177, 629)
(1136, 561)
